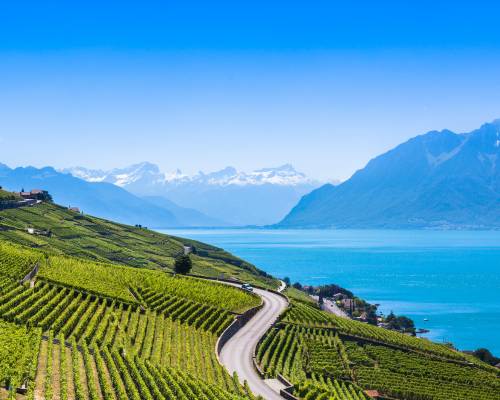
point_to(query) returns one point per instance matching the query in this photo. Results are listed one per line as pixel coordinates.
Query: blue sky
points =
(201, 85)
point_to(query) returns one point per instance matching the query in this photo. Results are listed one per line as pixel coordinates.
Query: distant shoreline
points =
(376, 264)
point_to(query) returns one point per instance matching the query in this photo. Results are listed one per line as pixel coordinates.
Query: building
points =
(33, 231)
(36, 194)
(74, 209)
(373, 394)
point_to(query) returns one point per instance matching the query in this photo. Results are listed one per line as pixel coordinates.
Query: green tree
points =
(183, 264)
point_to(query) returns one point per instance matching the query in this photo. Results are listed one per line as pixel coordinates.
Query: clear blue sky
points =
(202, 85)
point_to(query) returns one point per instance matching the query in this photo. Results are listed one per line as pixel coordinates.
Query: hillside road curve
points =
(236, 354)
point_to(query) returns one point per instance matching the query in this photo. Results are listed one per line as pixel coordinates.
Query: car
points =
(247, 287)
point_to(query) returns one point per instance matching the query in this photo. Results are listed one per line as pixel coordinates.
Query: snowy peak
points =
(119, 176)
(138, 172)
(150, 174)
(89, 175)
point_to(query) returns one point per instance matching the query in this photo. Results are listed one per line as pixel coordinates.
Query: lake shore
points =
(450, 278)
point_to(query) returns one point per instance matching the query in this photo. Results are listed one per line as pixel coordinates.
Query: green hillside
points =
(89, 310)
(327, 357)
(95, 239)
(83, 329)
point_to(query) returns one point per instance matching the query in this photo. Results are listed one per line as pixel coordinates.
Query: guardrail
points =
(235, 326)
(287, 392)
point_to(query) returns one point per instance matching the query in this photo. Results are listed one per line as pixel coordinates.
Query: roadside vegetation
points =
(95, 311)
(326, 356)
(86, 237)
(89, 330)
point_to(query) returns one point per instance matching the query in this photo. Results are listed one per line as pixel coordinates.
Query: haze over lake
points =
(450, 277)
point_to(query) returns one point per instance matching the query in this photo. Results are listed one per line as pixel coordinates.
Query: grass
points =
(299, 295)
(4, 195)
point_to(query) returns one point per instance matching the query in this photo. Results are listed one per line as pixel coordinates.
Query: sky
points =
(323, 85)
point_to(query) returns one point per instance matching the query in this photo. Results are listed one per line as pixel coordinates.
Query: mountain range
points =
(439, 179)
(103, 199)
(260, 197)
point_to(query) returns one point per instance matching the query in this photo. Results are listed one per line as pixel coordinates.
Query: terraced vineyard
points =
(306, 315)
(125, 284)
(18, 345)
(95, 239)
(112, 332)
(16, 262)
(105, 319)
(326, 356)
(69, 371)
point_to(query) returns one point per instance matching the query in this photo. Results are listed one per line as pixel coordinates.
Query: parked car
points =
(247, 287)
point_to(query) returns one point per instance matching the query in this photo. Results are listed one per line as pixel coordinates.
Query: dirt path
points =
(41, 371)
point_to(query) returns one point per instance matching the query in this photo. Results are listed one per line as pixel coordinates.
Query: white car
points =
(247, 287)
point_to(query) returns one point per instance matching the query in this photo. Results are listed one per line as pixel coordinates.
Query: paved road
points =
(236, 355)
(333, 308)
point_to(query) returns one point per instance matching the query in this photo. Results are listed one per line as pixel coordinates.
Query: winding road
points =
(236, 354)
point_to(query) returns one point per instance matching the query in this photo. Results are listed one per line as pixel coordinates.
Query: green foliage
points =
(319, 387)
(183, 264)
(122, 332)
(299, 295)
(400, 323)
(331, 357)
(8, 196)
(308, 316)
(486, 356)
(104, 241)
(16, 261)
(18, 345)
(117, 281)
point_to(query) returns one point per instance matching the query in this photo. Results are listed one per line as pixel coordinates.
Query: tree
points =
(486, 356)
(183, 264)
(286, 279)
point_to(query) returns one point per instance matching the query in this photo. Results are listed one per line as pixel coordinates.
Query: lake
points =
(452, 278)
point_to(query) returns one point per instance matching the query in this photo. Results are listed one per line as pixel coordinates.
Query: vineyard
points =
(68, 371)
(18, 345)
(95, 239)
(90, 330)
(123, 283)
(306, 315)
(105, 319)
(16, 262)
(326, 356)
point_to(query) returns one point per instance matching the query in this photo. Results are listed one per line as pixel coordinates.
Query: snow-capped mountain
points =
(146, 172)
(119, 176)
(258, 197)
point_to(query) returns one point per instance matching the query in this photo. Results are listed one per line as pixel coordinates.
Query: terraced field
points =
(95, 239)
(326, 356)
(103, 317)
(87, 330)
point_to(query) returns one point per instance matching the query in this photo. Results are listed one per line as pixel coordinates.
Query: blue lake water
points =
(452, 278)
